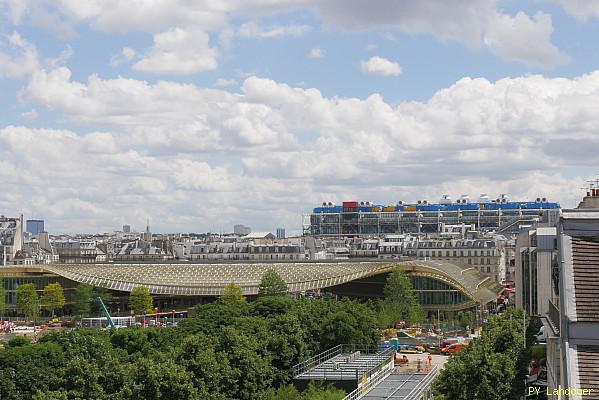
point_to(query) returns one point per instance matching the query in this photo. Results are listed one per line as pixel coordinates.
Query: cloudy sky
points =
(202, 114)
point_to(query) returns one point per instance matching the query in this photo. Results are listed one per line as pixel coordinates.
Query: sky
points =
(199, 115)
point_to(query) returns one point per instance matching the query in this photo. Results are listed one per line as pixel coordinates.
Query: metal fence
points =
(385, 371)
(554, 315)
(422, 391)
(325, 356)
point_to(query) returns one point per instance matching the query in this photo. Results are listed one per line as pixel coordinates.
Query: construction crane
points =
(107, 314)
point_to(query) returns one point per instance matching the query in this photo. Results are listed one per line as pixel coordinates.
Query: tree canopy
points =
(82, 299)
(400, 301)
(53, 297)
(232, 293)
(140, 300)
(28, 301)
(272, 284)
(225, 350)
(492, 367)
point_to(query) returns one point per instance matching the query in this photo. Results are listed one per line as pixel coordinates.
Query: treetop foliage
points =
(492, 367)
(272, 284)
(28, 300)
(140, 300)
(232, 293)
(400, 301)
(226, 350)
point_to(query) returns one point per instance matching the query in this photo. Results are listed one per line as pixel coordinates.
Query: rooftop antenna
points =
(592, 187)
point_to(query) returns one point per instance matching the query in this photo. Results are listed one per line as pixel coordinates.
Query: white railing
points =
(423, 385)
(374, 381)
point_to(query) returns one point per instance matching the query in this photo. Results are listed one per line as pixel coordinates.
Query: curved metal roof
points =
(210, 279)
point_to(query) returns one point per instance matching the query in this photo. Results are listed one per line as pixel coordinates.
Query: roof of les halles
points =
(187, 279)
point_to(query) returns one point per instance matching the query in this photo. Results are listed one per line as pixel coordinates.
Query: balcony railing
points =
(553, 315)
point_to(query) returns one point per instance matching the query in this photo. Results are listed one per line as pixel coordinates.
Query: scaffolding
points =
(364, 224)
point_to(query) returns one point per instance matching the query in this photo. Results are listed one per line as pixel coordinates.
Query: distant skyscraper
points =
(126, 228)
(242, 230)
(148, 233)
(280, 233)
(35, 226)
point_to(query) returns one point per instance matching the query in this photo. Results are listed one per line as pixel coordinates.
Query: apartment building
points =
(536, 263)
(483, 254)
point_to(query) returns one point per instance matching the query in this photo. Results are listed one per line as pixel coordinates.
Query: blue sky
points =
(200, 116)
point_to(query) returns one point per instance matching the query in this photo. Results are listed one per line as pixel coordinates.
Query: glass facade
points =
(433, 292)
(11, 284)
(35, 226)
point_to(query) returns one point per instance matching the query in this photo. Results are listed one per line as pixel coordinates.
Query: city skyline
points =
(204, 117)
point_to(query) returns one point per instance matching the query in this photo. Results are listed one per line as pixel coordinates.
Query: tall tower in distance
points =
(148, 235)
(280, 233)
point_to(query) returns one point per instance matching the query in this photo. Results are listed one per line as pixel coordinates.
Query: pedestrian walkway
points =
(395, 386)
(411, 381)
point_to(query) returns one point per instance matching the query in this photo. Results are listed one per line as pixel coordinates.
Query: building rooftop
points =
(210, 279)
(585, 260)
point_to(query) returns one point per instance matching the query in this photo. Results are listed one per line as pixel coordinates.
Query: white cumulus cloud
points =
(221, 82)
(472, 23)
(251, 29)
(524, 39)
(583, 9)
(20, 58)
(316, 52)
(180, 52)
(380, 66)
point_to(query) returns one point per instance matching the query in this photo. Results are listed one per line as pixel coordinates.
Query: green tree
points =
(53, 297)
(400, 300)
(272, 284)
(465, 318)
(248, 360)
(312, 392)
(140, 300)
(212, 374)
(19, 341)
(28, 301)
(271, 305)
(50, 395)
(232, 293)
(493, 367)
(357, 323)
(210, 318)
(161, 381)
(82, 299)
(30, 368)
